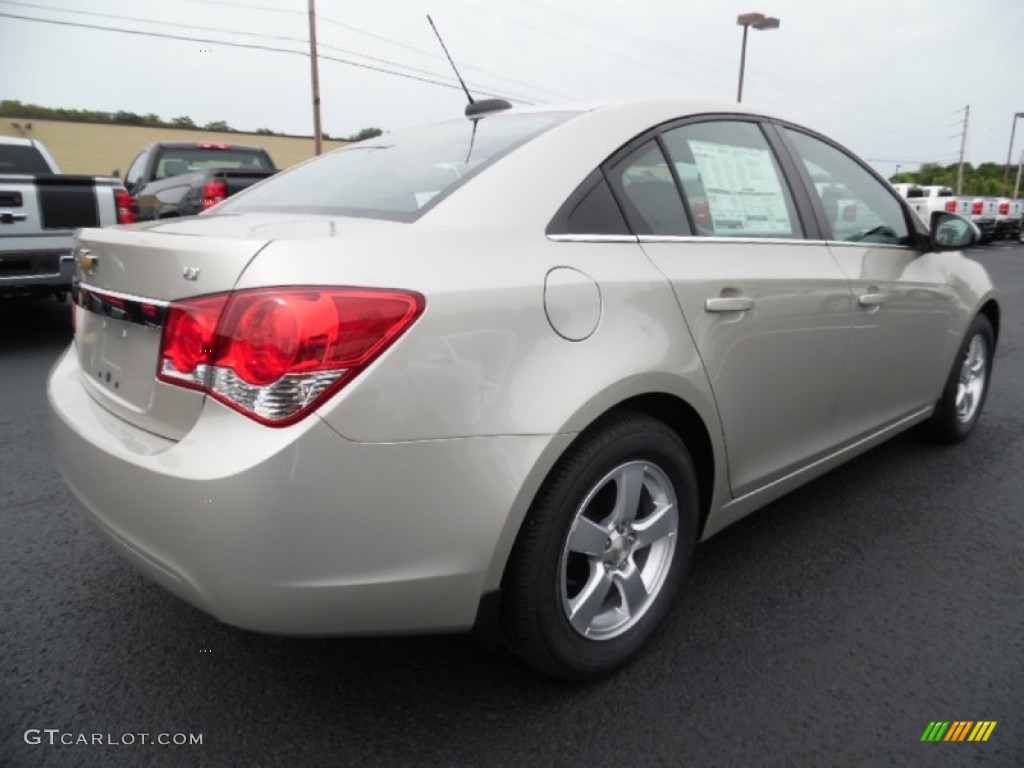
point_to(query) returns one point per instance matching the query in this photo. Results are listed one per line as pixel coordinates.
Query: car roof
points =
(14, 140)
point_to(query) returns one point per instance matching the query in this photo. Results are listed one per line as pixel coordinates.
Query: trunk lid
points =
(126, 277)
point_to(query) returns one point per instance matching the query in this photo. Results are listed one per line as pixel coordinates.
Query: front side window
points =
(732, 181)
(858, 207)
(395, 176)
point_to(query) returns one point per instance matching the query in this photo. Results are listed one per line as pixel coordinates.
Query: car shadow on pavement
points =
(28, 324)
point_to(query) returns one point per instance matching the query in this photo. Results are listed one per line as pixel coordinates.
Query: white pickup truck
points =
(40, 209)
(924, 200)
(1008, 216)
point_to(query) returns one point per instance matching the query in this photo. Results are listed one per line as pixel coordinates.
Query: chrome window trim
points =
(593, 238)
(862, 244)
(759, 240)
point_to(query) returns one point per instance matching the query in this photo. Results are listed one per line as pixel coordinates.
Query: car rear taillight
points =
(213, 193)
(209, 145)
(951, 206)
(1004, 209)
(850, 212)
(276, 354)
(125, 206)
(977, 207)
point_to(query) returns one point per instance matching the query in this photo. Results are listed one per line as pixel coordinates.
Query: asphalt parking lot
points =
(827, 629)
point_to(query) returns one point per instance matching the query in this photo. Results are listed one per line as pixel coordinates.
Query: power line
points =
(283, 38)
(252, 46)
(421, 51)
(250, 7)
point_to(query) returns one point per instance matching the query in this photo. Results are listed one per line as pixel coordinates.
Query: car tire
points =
(604, 549)
(963, 398)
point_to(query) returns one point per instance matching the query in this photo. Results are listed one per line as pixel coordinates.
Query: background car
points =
(507, 369)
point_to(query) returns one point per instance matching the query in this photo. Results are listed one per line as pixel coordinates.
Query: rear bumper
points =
(296, 530)
(1007, 226)
(987, 226)
(35, 271)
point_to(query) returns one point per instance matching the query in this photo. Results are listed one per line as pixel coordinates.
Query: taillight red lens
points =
(125, 206)
(1004, 209)
(213, 193)
(951, 206)
(275, 354)
(188, 339)
(977, 207)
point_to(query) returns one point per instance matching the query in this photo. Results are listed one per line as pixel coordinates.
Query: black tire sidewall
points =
(556, 646)
(947, 426)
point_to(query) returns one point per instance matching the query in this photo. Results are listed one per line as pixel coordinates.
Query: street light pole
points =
(757, 21)
(743, 65)
(1016, 187)
(1009, 150)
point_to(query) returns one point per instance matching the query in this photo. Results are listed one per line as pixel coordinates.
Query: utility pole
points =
(315, 73)
(963, 145)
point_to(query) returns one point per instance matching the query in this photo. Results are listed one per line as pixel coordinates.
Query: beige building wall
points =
(96, 149)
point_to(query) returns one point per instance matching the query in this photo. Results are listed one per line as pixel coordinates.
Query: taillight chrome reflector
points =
(276, 354)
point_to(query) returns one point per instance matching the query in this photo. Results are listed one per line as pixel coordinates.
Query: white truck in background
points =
(926, 199)
(40, 209)
(1008, 218)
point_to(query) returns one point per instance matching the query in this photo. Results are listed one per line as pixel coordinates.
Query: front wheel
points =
(608, 542)
(960, 407)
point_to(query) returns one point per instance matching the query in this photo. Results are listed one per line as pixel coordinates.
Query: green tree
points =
(217, 125)
(183, 122)
(366, 133)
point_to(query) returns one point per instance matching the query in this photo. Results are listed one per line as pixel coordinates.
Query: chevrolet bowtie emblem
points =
(87, 260)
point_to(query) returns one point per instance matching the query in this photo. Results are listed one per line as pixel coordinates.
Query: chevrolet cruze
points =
(508, 368)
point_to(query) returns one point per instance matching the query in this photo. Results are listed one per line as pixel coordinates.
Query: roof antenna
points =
(474, 108)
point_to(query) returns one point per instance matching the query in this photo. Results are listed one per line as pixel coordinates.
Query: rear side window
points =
(396, 176)
(590, 210)
(731, 180)
(174, 161)
(858, 207)
(650, 199)
(17, 158)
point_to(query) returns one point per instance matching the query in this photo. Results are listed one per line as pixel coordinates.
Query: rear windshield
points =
(397, 176)
(174, 161)
(17, 158)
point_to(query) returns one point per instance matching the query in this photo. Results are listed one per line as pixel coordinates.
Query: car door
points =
(768, 308)
(903, 306)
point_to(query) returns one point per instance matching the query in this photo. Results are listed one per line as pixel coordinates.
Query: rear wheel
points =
(605, 547)
(962, 400)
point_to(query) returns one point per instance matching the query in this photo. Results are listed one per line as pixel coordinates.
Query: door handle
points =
(729, 304)
(6, 217)
(871, 299)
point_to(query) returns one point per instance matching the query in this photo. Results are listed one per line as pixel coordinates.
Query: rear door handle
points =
(6, 217)
(871, 299)
(729, 304)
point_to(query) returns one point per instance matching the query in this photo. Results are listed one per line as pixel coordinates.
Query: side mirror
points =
(950, 232)
(116, 173)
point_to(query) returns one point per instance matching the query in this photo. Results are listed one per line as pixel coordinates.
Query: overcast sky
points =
(888, 78)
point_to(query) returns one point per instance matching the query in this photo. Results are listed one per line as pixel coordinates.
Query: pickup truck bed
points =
(178, 178)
